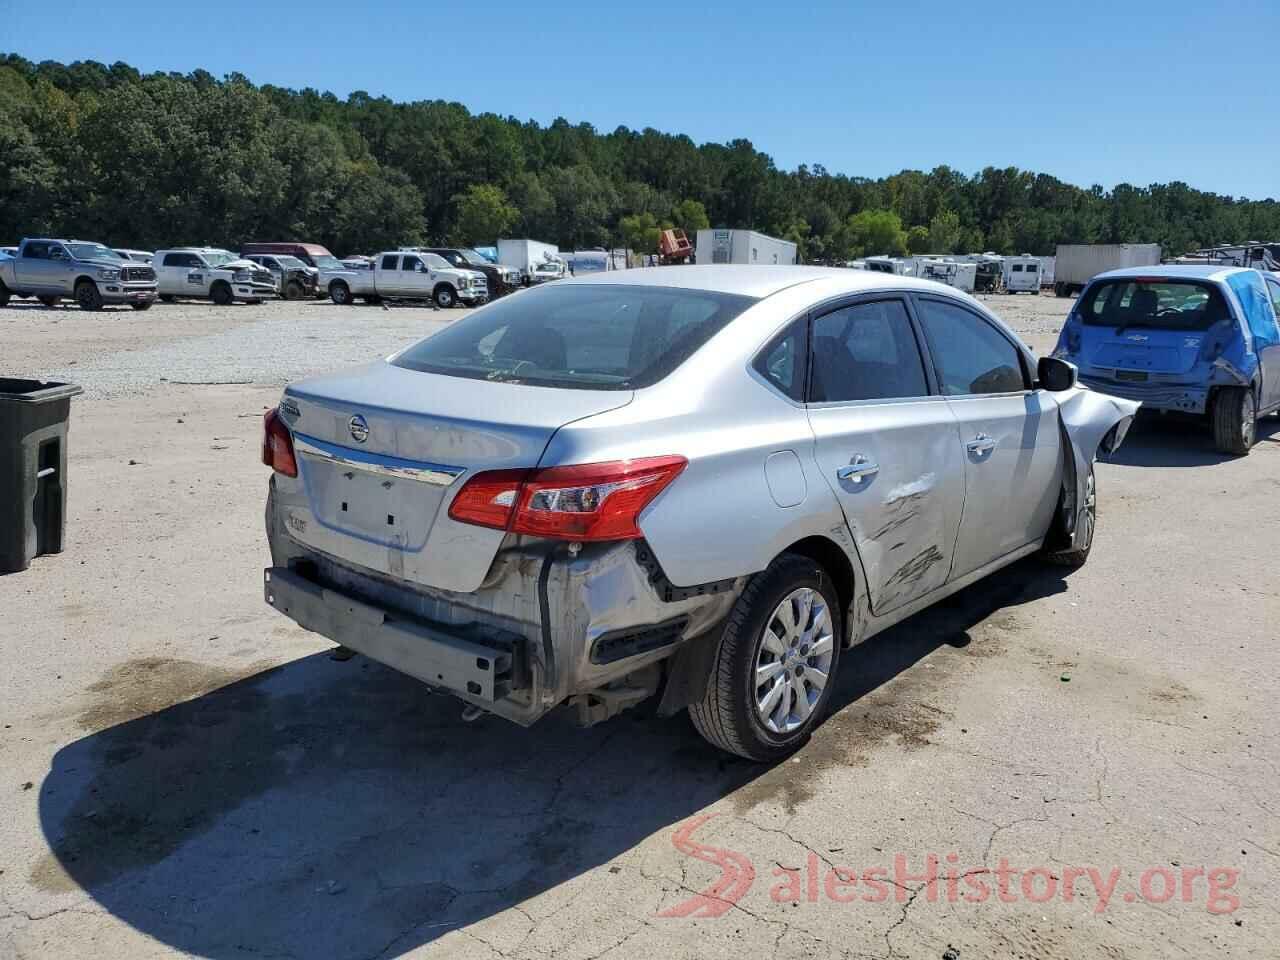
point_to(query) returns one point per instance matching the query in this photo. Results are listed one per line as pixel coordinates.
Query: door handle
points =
(857, 470)
(981, 444)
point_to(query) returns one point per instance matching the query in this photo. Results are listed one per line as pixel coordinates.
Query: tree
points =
(483, 215)
(874, 232)
(918, 240)
(690, 216)
(944, 233)
(640, 232)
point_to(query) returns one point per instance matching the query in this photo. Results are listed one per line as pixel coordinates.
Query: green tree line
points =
(109, 153)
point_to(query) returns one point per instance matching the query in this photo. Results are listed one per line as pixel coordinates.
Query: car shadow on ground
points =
(336, 809)
(1174, 440)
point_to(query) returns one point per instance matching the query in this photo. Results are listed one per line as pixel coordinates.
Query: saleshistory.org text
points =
(937, 878)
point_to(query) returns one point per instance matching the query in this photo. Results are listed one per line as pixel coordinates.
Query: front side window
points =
(969, 354)
(866, 351)
(608, 337)
(412, 264)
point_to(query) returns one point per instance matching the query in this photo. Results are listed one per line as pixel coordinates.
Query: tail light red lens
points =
(590, 502)
(277, 445)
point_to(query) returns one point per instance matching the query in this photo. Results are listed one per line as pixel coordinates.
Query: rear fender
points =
(1094, 423)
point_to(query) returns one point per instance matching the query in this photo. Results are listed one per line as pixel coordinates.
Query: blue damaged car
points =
(1196, 339)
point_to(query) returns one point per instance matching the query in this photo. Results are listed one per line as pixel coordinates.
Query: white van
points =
(1022, 274)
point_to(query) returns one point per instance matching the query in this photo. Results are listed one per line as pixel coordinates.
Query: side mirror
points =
(1056, 375)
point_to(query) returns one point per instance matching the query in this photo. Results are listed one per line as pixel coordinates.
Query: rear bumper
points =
(482, 666)
(569, 624)
(1185, 398)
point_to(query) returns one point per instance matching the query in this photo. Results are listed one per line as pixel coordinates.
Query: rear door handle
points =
(859, 469)
(981, 444)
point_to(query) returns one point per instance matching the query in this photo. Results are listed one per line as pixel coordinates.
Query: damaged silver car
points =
(697, 483)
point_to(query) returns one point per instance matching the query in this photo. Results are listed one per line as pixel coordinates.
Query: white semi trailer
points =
(1078, 263)
(743, 246)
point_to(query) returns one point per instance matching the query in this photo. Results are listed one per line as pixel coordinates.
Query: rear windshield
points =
(1160, 304)
(585, 337)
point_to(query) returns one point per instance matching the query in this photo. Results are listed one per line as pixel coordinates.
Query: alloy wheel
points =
(793, 661)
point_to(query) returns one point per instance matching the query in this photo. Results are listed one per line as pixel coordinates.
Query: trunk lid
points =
(382, 450)
(1142, 350)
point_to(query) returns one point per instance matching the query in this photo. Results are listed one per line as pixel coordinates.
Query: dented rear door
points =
(890, 451)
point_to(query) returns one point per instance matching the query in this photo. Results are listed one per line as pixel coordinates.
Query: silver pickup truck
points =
(408, 275)
(90, 273)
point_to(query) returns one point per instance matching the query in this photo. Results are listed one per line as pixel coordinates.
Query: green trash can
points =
(33, 469)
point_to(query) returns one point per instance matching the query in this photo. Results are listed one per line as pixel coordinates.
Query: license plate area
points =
(1135, 376)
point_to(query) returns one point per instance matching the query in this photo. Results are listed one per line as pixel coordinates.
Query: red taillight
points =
(277, 445)
(593, 501)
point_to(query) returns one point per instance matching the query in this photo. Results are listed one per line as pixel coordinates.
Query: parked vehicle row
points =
(542, 504)
(88, 272)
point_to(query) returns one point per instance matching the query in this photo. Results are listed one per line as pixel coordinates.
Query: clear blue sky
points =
(1090, 92)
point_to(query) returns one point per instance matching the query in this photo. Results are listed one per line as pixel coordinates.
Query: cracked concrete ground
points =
(184, 772)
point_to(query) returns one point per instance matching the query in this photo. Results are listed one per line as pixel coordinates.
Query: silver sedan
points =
(701, 483)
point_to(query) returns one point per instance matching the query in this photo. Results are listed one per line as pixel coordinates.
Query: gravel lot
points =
(185, 772)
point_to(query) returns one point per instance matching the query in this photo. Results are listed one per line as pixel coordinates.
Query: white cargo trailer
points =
(743, 246)
(1022, 274)
(525, 255)
(1078, 263)
(945, 270)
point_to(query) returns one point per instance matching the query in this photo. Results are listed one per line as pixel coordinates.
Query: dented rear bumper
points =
(548, 624)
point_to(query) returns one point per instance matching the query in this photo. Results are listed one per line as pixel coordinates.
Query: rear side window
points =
(1156, 303)
(970, 355)
(866, 352)
(784, 360)
(389, 263)
(606, 337)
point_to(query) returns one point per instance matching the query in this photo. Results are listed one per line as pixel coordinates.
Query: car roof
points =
(1173, 271)
(759, 281)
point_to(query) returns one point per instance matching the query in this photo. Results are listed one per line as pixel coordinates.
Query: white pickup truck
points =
(209, 273)
(90, 273)
(409, 275)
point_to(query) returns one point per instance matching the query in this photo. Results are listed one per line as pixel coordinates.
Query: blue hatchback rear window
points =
(1156, 303)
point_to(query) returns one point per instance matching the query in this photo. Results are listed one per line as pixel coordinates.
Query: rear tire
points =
(339, 293)
(445, 297)
(221, 294)
(87, 295)
(1076, 556)
(773, 649)
(49, 301)
(1235, 420)
(4, 295)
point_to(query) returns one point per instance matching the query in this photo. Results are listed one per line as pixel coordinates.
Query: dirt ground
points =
(1090, 757)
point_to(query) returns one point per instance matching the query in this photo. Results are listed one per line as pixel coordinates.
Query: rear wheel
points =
(221, 293)
(773, 670)
(445, 297)
(87, 295)
(1235, 420)
(339, 293)
(50, 301)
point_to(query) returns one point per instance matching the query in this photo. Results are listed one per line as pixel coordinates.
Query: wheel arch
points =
(84, 278)
(831, 557)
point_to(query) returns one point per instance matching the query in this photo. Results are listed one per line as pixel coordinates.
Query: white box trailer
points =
(743, 246)
(962, 276)
(1022, 274)
(1078, 263)
(525, 255)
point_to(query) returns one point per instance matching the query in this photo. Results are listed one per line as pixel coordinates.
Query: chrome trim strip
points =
(433, 473)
